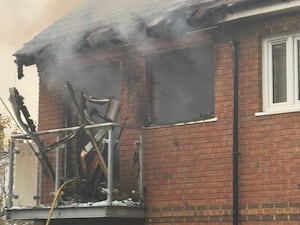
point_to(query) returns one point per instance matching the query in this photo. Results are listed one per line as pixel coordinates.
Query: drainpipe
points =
(141, 170)
(235, 150)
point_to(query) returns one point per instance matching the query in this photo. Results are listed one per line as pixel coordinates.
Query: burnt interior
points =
(182, 86)
(97, 90)
(91, 98)
(182, 90)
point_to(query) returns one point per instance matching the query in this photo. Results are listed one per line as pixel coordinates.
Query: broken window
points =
(100, 80)
(182, 86)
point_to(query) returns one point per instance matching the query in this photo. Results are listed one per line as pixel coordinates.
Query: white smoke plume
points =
(20, 21)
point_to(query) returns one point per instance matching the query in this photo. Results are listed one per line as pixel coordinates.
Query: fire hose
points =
(57, 194)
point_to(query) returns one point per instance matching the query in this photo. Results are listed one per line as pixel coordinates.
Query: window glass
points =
(279, 72)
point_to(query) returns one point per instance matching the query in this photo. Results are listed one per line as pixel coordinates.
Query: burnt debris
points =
(28, 126)
(92, 148)
(92, 162)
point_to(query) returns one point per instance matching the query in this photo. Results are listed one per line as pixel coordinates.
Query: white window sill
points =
(281, 111)
(186, 123)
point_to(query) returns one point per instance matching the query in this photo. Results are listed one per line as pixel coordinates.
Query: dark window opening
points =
(99, 81)
(182, 86)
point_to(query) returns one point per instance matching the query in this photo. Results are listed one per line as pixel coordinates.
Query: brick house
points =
(211, 86)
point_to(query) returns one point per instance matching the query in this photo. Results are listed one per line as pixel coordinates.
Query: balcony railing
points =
(107, 208)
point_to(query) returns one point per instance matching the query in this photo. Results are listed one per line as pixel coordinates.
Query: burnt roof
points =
(95, 22)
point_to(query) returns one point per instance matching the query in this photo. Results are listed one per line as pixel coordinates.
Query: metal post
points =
(40, 187)
(65, 159)
(11, 174)
(110, 162)
(141, 171)
(57, 167)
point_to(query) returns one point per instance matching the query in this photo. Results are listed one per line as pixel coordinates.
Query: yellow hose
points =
(56, 198)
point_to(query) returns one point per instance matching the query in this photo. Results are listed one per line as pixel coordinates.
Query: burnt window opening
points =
(182, 86)
(99, 82)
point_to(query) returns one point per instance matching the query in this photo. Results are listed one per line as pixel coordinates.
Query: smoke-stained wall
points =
(120, 72)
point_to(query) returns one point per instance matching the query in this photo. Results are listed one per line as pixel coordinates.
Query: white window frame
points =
(292, 103)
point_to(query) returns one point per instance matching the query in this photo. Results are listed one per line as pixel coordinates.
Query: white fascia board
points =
(265, 9)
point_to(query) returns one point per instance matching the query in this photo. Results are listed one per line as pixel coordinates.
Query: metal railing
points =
(110, 140)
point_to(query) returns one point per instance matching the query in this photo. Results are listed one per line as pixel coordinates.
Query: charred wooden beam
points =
(95, 140)
(21, 111)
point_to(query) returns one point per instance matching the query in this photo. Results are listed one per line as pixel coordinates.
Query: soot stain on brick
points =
(167, 176)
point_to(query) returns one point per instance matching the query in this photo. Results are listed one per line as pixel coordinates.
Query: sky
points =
(21, 20)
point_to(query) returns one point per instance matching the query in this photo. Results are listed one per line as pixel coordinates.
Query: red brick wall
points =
(51, 116)
(188, 168)
(269, 146)
(133, 113)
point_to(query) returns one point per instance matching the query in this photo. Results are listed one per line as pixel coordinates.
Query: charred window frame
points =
(181, 86)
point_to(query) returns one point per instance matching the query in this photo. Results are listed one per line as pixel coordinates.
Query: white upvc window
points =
(281, 73)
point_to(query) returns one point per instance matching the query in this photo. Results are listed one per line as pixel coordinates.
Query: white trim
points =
(257, 114)
(265, 9)
(290, 70)
(296, 68)
(265, 79)
(186, 123)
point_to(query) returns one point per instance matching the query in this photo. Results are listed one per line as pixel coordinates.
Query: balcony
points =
(65, 206)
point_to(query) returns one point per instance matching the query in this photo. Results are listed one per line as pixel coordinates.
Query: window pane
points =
(298, 65)
(279, 72)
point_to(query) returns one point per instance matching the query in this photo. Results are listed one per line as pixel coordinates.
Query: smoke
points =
(107, 23)
(101, 24)
(20, 21)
